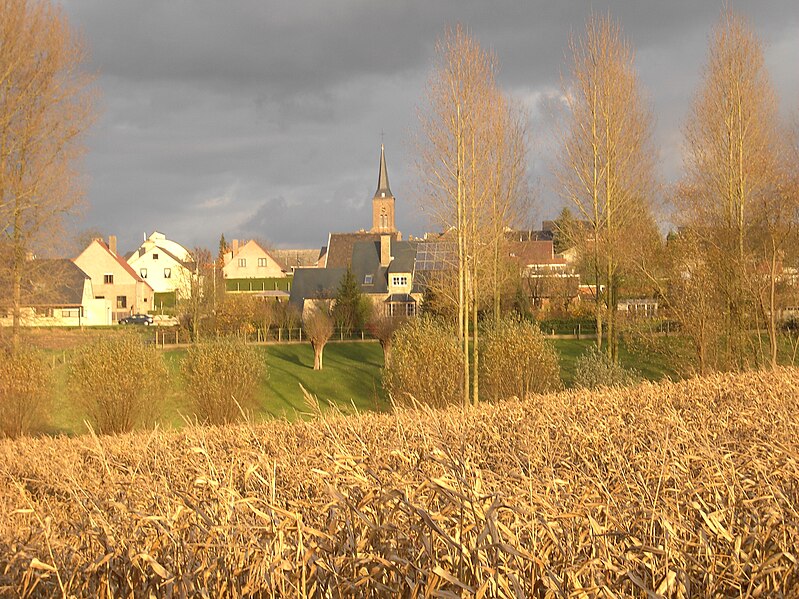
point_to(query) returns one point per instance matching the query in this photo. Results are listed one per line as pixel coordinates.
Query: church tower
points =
(383, 202)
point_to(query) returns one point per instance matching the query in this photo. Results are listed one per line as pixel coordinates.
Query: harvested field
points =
(683, 489)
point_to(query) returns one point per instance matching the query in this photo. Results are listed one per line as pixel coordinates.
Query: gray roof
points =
(365, 264)
(366, 261)
(310, 283)
(53, 282)
(382, 180)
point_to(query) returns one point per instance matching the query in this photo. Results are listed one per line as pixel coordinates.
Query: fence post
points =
(361, 334)
(300, 329)
(579, 327)
(280, 334)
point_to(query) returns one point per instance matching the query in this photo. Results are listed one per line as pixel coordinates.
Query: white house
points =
(165, 265)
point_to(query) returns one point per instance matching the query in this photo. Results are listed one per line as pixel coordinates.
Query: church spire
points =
(383, 190)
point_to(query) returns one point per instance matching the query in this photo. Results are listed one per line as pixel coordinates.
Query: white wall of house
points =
(161, 271)
(400, 282)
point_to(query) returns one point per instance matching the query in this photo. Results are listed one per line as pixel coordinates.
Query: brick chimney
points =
(385, 250)
(234, 246)
(112, 244)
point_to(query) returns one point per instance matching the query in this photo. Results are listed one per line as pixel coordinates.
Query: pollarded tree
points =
(45, 106)
(382, 328)
(318, 327)
(606, 164)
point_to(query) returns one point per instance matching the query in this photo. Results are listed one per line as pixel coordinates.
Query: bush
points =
(594, 369)
(426, 364)
(516, 360)
(25, 386)
(117, 380)
(222, 377)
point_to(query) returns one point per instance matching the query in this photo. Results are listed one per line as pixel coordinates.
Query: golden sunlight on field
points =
(675, 490)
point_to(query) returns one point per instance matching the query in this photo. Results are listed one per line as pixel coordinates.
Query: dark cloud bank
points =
(264, 119)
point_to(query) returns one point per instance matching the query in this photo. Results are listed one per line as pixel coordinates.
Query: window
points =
(72, 313)
(108, 279)
(143, 273)
(367, 280)
(167, 273)
(261, 261)
(155, 256)
(242, 262)
(122, 301)
(399, 281)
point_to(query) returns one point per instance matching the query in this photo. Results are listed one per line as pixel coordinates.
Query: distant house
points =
(249, 268)
(56, 292)
(114, 279)
(547, 277)
(166, 266)
(384, 269)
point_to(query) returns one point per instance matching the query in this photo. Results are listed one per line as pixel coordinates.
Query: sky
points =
(264, 118)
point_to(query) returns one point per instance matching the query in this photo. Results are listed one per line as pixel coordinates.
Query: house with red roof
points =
(114, 279)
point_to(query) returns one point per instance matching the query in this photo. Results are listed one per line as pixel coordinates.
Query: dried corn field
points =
(672, 490)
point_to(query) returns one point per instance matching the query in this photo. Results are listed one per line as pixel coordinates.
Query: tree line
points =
(726, 270)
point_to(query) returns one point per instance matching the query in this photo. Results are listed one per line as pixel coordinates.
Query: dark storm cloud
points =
(263, 119)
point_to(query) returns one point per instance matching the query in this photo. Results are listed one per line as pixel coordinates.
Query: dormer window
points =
(399, 281)
(367, 280)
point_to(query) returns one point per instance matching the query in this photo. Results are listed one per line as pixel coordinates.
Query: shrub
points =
(117, 380)
(221, 378)
(516, 360)
(426, 363)
(594, 369)
(25, 386)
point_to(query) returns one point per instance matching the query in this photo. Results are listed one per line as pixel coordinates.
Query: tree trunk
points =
(386, 345)
(318, 349)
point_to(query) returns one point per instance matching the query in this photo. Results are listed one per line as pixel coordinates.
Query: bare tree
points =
(606, 164)
(45, 106)
(197, 304)
(732, 180)
(318, 325)
(471, 162)
(382, 328)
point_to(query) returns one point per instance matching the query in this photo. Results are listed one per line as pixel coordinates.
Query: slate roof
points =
(383, 190)
(366, 261)
(310, 283)
(365, 264)
(53, 282)
(340, 246)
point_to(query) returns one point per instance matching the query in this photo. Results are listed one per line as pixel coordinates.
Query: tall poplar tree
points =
(605, 166)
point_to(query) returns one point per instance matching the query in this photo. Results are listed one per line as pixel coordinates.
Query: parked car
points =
(144, 319)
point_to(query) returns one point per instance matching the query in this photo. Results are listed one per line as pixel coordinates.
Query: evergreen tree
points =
(352, 309)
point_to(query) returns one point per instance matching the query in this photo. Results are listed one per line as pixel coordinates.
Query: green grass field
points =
(351, 379)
